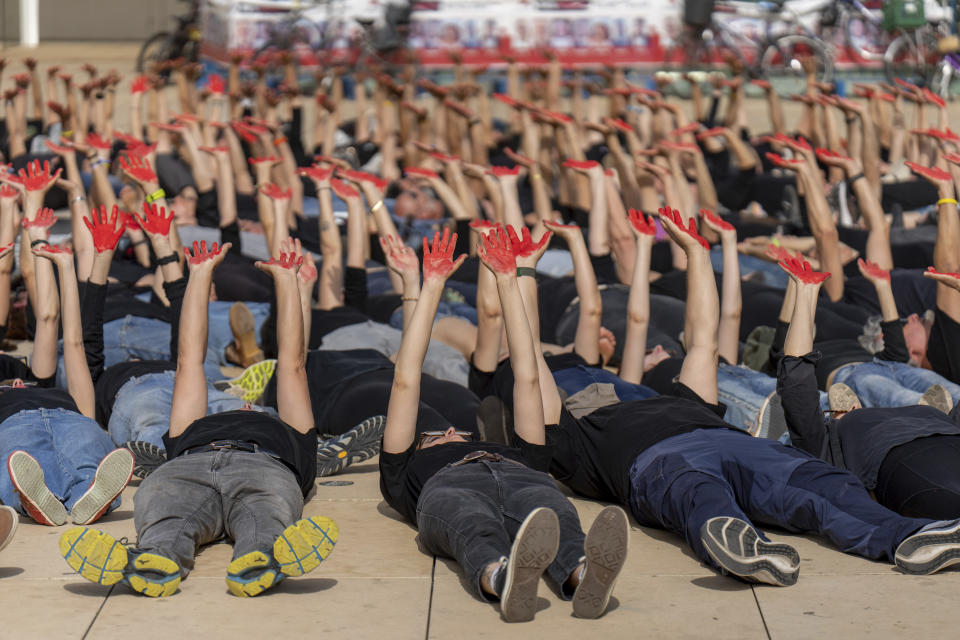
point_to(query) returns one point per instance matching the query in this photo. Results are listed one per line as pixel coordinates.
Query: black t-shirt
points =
(296, 450)
(13, 401)
(943, 346)
(403, 475)
(593, 455)
(113, 378)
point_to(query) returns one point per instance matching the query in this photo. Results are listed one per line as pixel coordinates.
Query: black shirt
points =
(296, 450)
(113, 378)
(403, 475)
(13, 401)
(593, 455)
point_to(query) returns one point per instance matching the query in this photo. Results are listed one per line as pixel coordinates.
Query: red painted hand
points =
(140, 84)
(524, 246)
(104, 229)
(97, 142)
(800, 269)
(35, 178)
(779, 161)
(400, 258)
(155, 220)
(343, 190)
(286, 260)
(138, 168)
(438, 263)
(420, 172)
(43, 219)
(932, 174)
(711, 133)
(672, 216)
(274, 191)
(715, 221)
(872, 271)
(577, 165)
(496, 253)
(201, 254)
(318, 174)
(215, 84)
(504, 172)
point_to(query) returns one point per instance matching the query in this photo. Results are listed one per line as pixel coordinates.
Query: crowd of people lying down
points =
(498, 284)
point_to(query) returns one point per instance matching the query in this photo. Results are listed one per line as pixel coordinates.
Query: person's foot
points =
(938, 398)
(737, 548)
(101, 559)
(605, 549)
(932, 548)
(35, 498)
(298, 550)
(533, 550)
(244, 350)
(9, 519)
(842, 398)
(771, 421)
(147, 457)
(356, 445)
(250, 384)
(113, 474)
(492, 420)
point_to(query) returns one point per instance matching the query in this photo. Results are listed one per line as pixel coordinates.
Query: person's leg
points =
(921, 479)
(876, 384)
(920, 379)
(24, 432)
(459, 517)
(135, 338)
(141, 410)
(220, 334)
(744, 392)
(178, 508)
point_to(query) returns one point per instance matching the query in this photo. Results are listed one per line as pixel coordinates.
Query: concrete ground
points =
(378, 584)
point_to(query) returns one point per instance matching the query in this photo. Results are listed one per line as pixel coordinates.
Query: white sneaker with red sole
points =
(35, 498)
(113, 474)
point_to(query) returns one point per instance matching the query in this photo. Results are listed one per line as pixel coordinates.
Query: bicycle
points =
(294, 31)
(183, 42)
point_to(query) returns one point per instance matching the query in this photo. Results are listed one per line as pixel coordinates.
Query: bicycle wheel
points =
(944, 79)
(155, 49)
(781, 62)
(865, 39)
(912, 57)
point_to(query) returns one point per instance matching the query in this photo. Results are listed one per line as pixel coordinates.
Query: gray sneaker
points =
(356, 445)
(938, 398)
(842, 398)
(113, 474)
(737, 548)
(146, 457)
(935, 547)
(533, 550)
(605, 548)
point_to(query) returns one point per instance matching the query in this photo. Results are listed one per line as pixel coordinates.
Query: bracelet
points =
(851, 119)
(168, 259)
(40, 241)
(67, 133)
(855, 178)
(279, 141)
(405, 299)
(78, 199)
(946, 201)
(526, 271)
(536, 176)
(376, 205)
(98, 162)
(156, 195)
(138, 242)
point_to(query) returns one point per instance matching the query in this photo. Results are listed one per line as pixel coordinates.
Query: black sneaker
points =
(606, 552)
(356, 445)
(533, 550)
(146, 457)
(935, 547)
(737, 548)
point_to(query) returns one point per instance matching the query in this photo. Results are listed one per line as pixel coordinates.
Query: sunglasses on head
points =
(428, 437)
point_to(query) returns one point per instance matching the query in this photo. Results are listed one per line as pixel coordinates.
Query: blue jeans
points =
(444, 310)
(891, 384)
(141, 410)
(576, 379)
(68, 446)
(744, 391)
(773, 275)
(680, 483)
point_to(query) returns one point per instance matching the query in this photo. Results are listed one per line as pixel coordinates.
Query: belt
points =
(228, 445)
(477, 456)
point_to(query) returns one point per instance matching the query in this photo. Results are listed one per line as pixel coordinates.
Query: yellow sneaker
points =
(101, 559)
(250, 384)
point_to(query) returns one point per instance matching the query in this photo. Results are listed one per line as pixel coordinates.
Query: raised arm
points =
(638, 304)
(731, 304)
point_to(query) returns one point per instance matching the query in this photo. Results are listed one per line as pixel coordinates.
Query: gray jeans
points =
(199, 498)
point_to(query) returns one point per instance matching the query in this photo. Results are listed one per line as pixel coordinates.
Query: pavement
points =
(377, 583)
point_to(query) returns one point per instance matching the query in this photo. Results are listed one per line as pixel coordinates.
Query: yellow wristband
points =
(376, 205)
(156, 195)
(946, 201)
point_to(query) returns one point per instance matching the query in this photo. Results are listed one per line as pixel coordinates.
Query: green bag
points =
(903, 14)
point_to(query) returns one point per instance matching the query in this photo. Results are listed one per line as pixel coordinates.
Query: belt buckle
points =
(222, 445)
(473, 456)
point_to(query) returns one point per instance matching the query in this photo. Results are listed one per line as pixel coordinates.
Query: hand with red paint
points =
(641, 224)
(933, 98)
(519, 158)
(275, 192)
(58, 255)
(526, 251)
(320, 176)
(401, 259)
(99, 143)
(507, 100)
(37, 180)
(203, 258)
(504, 173)
(140, 84)
(42, 219)
(713, 133)
(420, 172)
(873, 272)
(8, 193)
(444, 158)
(483, 227)
(496, 253)
(343, 190)
(586, 167)
(801, 272)
(951, 280)
(307, 276)
(438, 262)
(793, 164)
(849, 165)
(155, 220)
(138, 169)
(569, 232)
(104, 229)
(59, 149)
(215, 84)
(288, 261)
(6, 250)
(726, 230)
(686, 236)
(937, 177)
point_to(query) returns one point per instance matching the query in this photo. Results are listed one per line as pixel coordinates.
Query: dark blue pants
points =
(472, 512)
(683, 481)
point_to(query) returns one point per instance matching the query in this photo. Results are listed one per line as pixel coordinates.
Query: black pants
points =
(921, 479)
(472, 512)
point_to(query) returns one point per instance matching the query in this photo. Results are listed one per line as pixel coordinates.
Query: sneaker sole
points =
(533, 550)
(719, 533)
(154, 575)
(250, 575)
(146, 457)
(10, 520)
(35, 498)
(305, 544)
(95, 555)
(606, 550)
(243, 327)
(934, 550)
(254, 379)
(113, 474)
(356, 445)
